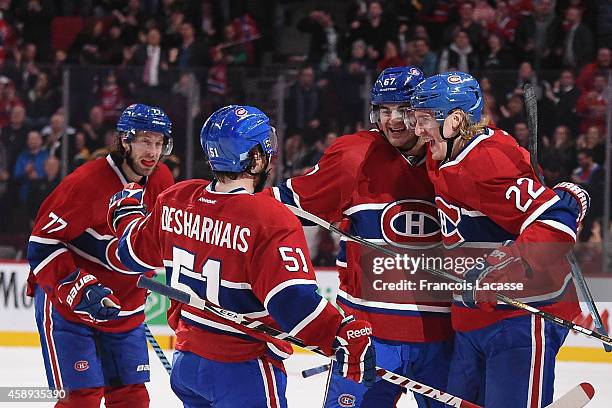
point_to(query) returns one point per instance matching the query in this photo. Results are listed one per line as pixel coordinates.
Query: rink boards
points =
(18, 327)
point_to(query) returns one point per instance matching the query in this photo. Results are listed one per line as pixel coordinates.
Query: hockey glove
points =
(502, 266)
(125, 203)
(354, 351)
(91, 301)
(574, 197)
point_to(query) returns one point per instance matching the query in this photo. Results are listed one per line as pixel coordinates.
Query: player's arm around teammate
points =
(89, 311)
(487, 193)
(254, 259)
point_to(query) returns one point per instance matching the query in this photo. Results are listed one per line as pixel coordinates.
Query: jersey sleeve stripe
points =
(296, 197)
(286, 284)
(126, 252)
(315, 313)
(46, 241)
(48, 259)
(394, 306)
(560, 226)
(538, 211)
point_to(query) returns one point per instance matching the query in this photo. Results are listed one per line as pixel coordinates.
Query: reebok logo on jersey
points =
(142, 367)
(207, 201)
(78, 286)
(355, 334)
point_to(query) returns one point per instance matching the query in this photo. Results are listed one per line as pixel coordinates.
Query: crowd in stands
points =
(182, 55)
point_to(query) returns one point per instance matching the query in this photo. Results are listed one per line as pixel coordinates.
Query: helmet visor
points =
(270, 144)
(423, 118)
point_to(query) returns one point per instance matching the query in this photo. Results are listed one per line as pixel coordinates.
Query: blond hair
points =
(468, 129)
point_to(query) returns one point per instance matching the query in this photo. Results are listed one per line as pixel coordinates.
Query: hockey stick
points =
(531, 108)
(309, 372)
(158, 350)
(255, 325)
(500, 297)
(577, 397)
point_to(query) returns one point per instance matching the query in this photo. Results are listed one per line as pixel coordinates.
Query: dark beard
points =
(261, 183)
(130, 162)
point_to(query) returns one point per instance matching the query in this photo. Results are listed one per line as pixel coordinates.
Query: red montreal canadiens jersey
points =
(489, 194)
(71, 232)
(244, 252)
(366, 184)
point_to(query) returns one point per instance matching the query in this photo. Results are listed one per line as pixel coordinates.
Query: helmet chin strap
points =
(450, 143)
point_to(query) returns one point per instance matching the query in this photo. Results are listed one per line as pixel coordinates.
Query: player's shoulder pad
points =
(184, 189)
(84, 181)
(163, 175)
(265, 208)
(350, 150)
(498, 155)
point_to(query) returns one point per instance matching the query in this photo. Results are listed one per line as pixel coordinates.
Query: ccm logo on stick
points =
(354, 334)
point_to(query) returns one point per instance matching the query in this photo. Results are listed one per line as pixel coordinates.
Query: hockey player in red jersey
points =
(488, 195)
(375, 182)
(245, 252)
(89, 311)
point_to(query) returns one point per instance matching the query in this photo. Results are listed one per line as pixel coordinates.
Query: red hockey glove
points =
(575, 197)
(88, 299)
(125, 203)
(354, 351)
(502, 266)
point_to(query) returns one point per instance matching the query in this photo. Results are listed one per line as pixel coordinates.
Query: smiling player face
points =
(392, 124)
(427, 129)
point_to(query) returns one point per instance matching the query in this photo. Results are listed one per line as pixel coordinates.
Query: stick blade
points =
(577, 397)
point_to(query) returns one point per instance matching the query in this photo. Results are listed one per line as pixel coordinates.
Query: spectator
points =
(391, 57)
(131, 20)
(303, 106)
(504, 24)
(526, 74)
(564, 95)
(375, 29)
(359, 58)
(172, 37)
(537, 34)
(4, 178)
(235, 52)
(560, 150)
(491, 108)
(512, 113)
(294, 152)
(577, 45)
(424, 58)
(459, 56)
(193, 52)
(483, 14)
(36, 16)
(593, 141)
(467, 24)
(216, 81)
(56, 133)
(8, 100)
(40, 188)
(14, 135)
(30, 164)
(592, 105)
(521, 134)
(95, 129)
(89, 44)
(112, 53)
(154, 62)
(109, 140)
(111, 98)
(601, 65)
(587, 168)
(497, 57)
(325, 38)
(42, 100)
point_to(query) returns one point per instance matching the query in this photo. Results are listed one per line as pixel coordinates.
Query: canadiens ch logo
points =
(240, 112)
(410, 224)
(346, 400)
(81, 365)
(454, 79)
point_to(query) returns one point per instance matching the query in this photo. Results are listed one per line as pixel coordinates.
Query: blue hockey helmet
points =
(144, 118)
(445, 92)
(230, 133)
(394, 85)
